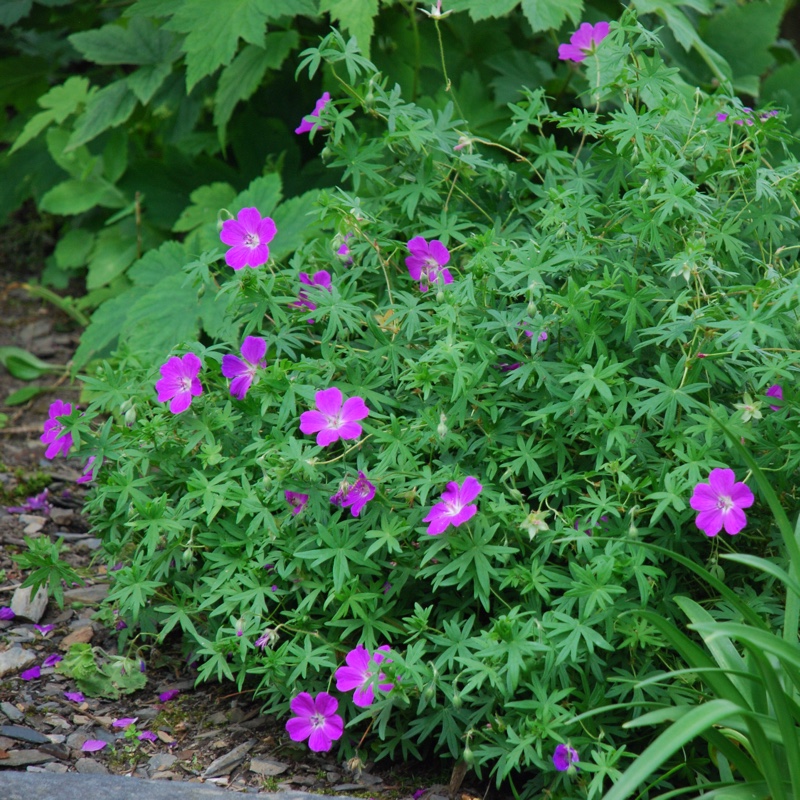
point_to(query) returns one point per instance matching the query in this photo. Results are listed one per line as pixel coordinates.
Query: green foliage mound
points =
(623, 274)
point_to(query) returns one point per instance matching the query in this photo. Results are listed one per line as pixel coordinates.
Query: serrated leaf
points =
(109, 107)
(115, 156)
(73, 248)
(263, 193)
(140, 42)
(483, 9)
(545, 15)
(103, 328)
(213, 31)
(79, 163)
(114, 251)
(75, 197)
(12, 11)
(296, 221)
(147, 80)
(206, 204)
(152, 266)
(239, 80)
(356, 16)
(24, 394)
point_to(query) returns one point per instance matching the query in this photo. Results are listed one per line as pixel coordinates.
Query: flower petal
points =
(299, 728)
(253, 349)
(303, 705)
(329, 401)
(354, 408)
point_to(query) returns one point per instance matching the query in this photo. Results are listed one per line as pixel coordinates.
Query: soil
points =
(42, 730)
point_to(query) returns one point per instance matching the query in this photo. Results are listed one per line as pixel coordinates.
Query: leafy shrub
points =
(616, 275)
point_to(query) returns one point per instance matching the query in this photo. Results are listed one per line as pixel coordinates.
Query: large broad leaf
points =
(12, 11)
(263, 193)
(297, 221)
(141, 42)
(356, 16)
(109, 107)
(544, 15)
(482, 9)
(207, 201)
(75, 196)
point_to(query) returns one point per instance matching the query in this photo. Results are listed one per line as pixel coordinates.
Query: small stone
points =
(88, 766)
(80, 636)
(57, 738)
(166, 775)
(340, 787)
(32, 529)
(12, 712)
(21, 758)
(23, 734)
(55, 766)
(225, 764)
(267, 767)
(76, 740)
(218, 718)
(161, 761)
(59, 515)
(32, 519)
(165, 737)
(87, 594)
(29, 608)
(15, 659)
(305, 780)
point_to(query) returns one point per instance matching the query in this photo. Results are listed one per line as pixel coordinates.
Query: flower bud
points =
(439, 296)
(442, 429)
(468, 757)
(457, 700)
(130, 416)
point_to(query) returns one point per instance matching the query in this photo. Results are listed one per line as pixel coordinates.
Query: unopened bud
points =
(457, 700)
(130, 416)
(442, 429)
(439, 296)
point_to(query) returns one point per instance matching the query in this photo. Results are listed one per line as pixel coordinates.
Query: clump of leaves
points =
(100, 674)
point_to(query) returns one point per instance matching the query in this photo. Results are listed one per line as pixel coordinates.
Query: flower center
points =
(251, 240)
(453, 509)
(724, 503)
(318, 721)
(334, 421)
(186, 384)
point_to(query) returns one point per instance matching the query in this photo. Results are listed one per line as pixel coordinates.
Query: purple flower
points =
(322, 279)
(93, 745)
(118, 566)
(316, 720)
(142, 665)
(52, 660)
(427, 262)
(775, 391)
(180, 382)
(6, 613)
(720, 503)
(267, 638)
(564, 756)
(244, 371)
(44, 629)
(344, 251)
(453, 509)
(387, 587)
(307, 125)
(36, 503)
(419, 793)
(57, 441)
(121, 625)
(170, 694)
(542, 336)
(356, 496)
(74, 697)
(722, 116)
(248, 236)
(88, 471)
(509, 367)
(583, 41)
(149, 735)
(31, 674)
(334, 419)
(124, 722)
(359, 673)
(298, 502)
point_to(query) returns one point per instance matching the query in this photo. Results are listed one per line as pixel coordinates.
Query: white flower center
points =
(318, 721)
(186, 384)
(251, 240)
(453, 509)
(724, 503)
(334, 421)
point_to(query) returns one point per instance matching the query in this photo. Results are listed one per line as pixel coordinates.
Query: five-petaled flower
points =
(720, 503)
(297, 501)
(307, 125)
(248, 236)
(354, 496)
(316, 720)
(322, 279)
(427, 262)
(360, 672)
(54, 436)
(242, 371)
(777, 392)
(454, 508)
(583, 41)
(564, 756)
(179, 382)
(333, 418)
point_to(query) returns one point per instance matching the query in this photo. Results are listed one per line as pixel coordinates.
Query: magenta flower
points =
(31, 674)
(316, 721)
(180, 382)
(344, 251)
(75, 697)
(88, 471)
(333, 420)
(148, 735)
(583, 41)
(359, 674)
(777, 392)
(53, 436)
(244, 371)
(36, 503)
(722, 116)
(354, 497)
(248, 236)
(124, 722)
(720, 503)
(121, 625)
(453, 508)
(52, 660)
(427, 262)
(564, 756)
(542, 336)
(322, 279)
(170, 694)
(297, 501)
(43, 629)
(307, 125)
(6, 613)
(93, 745)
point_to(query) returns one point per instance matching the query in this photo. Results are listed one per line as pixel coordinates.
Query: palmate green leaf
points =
(245, 73)
(108, 108)
(142, 41)
(545, 15)
(207, 202)
(355, 16)
(482, 9)
(12, 11)
(297, 222)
